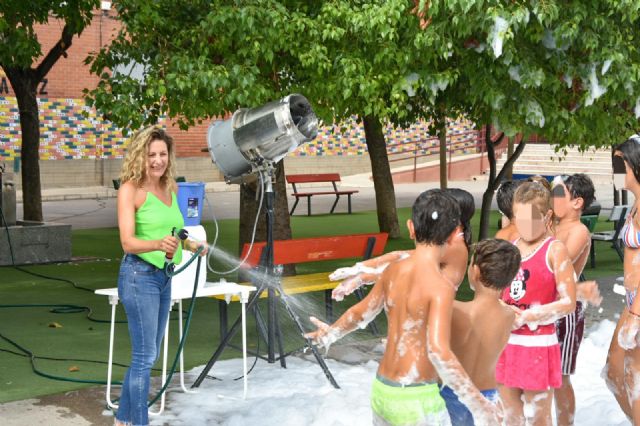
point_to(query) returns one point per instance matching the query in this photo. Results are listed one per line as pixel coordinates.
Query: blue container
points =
(190, 199)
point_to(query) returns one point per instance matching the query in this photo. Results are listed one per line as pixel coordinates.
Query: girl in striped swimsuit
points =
(622, 371)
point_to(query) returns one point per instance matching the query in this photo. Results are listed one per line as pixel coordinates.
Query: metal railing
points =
(412, 151)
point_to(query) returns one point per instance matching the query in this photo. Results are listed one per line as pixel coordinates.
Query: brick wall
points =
(91, 146)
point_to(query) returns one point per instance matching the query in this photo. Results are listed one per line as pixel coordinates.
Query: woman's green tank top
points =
(154, 221)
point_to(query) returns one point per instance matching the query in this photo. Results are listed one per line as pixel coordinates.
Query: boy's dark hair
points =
(435, 214)
(498, 261)
(630, 150)
(504, 197)
(580, 185)
(467, 209)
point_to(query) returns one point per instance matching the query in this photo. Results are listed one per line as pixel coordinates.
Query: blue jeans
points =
(145, 293)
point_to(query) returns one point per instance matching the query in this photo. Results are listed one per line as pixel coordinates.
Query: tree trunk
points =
(509, 174)
(494, 180)
(24, 84)
(382, 180)
(249, 208)
(442, 136)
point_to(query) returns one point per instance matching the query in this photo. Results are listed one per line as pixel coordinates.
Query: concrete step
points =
(585, 162)
(573, 157)
(543, 159)
(558, 169)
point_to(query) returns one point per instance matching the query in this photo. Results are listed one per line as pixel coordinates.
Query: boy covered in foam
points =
(480, 328)
(571, 195)
(418, 302)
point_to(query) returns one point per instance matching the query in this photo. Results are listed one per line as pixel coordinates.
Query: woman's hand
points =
(628, 334)
(169, 244)
(194, 245)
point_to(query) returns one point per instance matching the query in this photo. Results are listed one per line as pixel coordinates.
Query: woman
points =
(623, 361)
(148, 214)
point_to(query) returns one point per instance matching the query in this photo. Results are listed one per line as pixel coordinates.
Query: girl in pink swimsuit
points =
(542, 292)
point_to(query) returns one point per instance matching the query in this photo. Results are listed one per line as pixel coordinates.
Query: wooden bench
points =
(304, 250)
(318, 178)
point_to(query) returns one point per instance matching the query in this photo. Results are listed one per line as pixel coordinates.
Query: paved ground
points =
(95, 207)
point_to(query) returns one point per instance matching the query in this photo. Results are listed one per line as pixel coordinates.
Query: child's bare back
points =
(483, 323)
(480, 328)
(407, 299)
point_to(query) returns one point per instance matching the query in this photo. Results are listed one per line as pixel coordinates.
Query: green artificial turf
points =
(74, 337)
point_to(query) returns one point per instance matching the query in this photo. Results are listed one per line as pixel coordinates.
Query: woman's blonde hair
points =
(134, 167)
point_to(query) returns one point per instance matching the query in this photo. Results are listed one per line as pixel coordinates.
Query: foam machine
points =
(251, 142)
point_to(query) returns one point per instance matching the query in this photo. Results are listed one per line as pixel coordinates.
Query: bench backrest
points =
(590, 221)
(317, 177)
(618, 212)
(304, 250)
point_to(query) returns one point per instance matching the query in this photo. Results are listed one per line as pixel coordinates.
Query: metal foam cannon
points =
(255, 138)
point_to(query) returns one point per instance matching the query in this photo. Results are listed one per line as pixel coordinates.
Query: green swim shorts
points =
(420, 404)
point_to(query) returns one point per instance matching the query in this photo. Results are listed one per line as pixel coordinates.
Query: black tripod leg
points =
(227, 338)
(271, 325)
(314, 350)
(283, 362)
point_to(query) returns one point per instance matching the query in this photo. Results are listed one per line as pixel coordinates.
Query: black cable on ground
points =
(68, 308)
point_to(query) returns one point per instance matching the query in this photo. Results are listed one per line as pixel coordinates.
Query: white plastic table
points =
(182, 288)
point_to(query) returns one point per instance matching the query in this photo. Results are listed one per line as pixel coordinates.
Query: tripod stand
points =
(270, 286)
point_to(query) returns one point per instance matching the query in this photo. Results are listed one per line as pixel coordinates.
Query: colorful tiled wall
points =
(349, 139)
(71, 130)
(65, 131)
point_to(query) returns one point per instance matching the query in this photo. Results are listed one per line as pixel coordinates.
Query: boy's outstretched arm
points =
(447, 365)
(366, 272)
(564, 273)
(358, 316)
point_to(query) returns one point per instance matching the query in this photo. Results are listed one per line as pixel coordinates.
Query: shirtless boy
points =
(480, 328)
(418, 303)
(571, 195)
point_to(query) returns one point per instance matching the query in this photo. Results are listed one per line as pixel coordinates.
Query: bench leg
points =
(294, 206)
(328, 306)
(618, 250)
(309, 205)
(222, 305)
(349, 203)
(335, 203)
(261, 323)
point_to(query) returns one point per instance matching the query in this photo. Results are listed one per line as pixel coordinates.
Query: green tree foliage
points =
(567, 71)
(25, 64)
